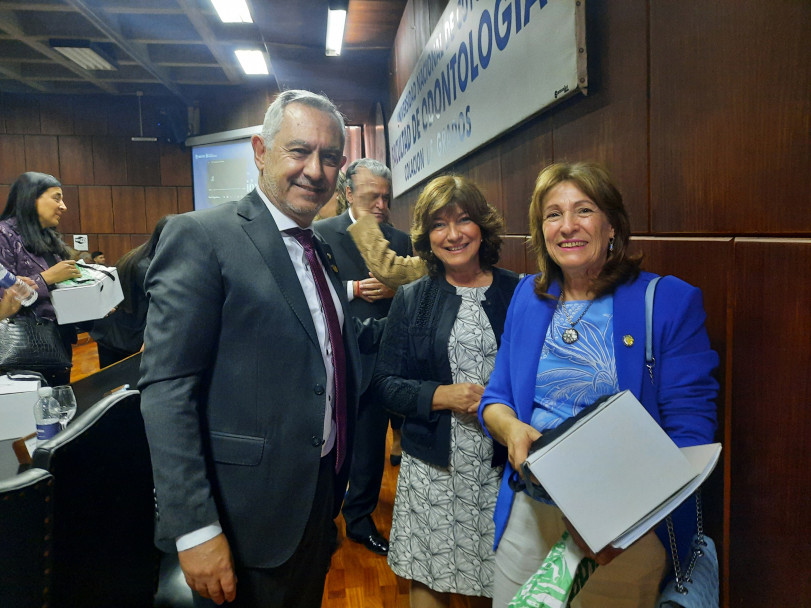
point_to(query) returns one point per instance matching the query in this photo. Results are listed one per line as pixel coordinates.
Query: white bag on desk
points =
(17, 399)
(92, 296)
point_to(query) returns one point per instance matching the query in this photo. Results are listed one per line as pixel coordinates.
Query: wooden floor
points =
(358, 578)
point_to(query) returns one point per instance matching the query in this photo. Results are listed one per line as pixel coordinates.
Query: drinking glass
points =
(67, 404)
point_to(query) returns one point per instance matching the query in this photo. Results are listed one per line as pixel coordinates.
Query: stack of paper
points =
(615, 473)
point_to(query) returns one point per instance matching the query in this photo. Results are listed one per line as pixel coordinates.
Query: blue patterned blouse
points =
(572, 376)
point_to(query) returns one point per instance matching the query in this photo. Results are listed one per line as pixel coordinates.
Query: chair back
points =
(25, 539)
(91, 389)
(103, 527)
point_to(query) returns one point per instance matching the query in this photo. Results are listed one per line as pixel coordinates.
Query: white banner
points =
(489, 65)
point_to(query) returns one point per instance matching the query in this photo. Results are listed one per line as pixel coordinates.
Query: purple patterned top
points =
(16, 258)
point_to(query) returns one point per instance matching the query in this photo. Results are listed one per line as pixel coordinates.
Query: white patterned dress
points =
(442, 529)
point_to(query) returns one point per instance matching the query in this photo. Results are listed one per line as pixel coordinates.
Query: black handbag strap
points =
(94, 268)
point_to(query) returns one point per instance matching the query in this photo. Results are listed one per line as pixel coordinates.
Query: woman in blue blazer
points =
(576, 332)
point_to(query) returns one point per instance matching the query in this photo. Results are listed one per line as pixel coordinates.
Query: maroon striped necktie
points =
(305, 237)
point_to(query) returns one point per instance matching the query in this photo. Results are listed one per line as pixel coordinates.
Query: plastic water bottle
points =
(22, 291)
(46, 413)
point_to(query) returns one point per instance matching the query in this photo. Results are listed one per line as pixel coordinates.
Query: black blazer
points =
(351, 266)
(233, 381)
(413, 359)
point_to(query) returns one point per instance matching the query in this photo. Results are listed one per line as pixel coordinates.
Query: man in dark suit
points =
(368, 191)
(248, 395)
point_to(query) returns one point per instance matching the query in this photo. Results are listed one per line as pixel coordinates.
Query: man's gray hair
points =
(275, 113)
(376, 168)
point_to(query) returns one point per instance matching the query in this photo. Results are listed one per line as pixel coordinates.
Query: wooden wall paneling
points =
(22, 114)
(137, 240)
(113, 246)
(55, 115)
(4, 190)
(175, 163)
(90, 114)
(524, 153)
(610, 124)
(404, 53)
(771, 426)
(516, 254)
(129, 210)
(109, 161)
(729, 117)
(143, 163)
(159, 202)
(42, 154)
(76, 160)
(707, 263)
(483, 168)
(185, 200)
(96, 207)
(402, 209)
(70, 222)
(223, 113)
(122, 115)
(12, 158)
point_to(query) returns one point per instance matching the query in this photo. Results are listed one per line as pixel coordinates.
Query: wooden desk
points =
(89, 390)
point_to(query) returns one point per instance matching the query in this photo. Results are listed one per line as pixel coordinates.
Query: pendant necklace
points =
(570, 335)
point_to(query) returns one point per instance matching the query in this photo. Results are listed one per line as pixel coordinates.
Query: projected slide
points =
(223, 172)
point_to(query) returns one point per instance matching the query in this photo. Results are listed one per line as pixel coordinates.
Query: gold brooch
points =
(628, 340)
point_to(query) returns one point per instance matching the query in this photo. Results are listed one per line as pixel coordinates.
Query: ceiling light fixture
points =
(232, 11)
(84, 53)
(336, 20)
(252, 62)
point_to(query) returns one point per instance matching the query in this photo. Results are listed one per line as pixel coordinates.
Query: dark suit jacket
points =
(351, 267)
(233, 381)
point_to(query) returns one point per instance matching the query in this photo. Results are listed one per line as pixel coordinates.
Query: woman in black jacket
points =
(436, 354)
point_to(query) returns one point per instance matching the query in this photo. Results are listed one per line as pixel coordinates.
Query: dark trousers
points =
(299, 582)
(366, 474)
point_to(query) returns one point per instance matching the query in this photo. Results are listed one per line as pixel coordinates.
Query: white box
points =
(17, 399)
(91, 297)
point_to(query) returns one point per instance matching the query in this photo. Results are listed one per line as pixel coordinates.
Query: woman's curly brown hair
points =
(449, 191)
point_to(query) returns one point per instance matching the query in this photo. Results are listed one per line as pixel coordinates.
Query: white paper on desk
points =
(9, 387)
(611, 470)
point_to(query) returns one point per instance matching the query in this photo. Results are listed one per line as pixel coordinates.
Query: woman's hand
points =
(505, 427)
(61, 271)
(463, 398)
(9, 305)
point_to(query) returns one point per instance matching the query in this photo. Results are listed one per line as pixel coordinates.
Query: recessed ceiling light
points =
(336, 19)
(252, 62)
(232, 11)
(84, 53)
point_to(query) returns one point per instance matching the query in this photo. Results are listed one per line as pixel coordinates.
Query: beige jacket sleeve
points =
(389, 268)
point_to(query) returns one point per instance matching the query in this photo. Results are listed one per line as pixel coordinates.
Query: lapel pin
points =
(628, 340)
